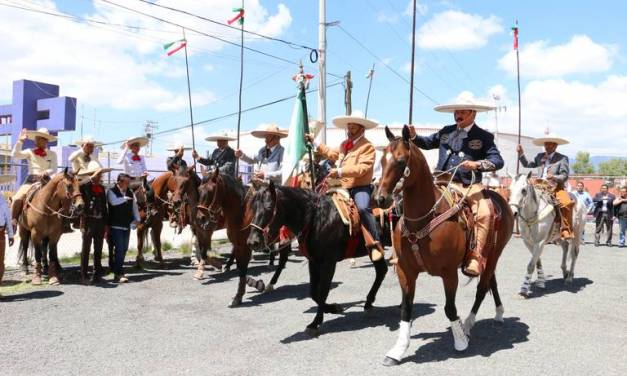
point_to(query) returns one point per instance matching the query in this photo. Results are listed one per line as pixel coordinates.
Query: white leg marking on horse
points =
(459, 337)
(499, 313)
(469, 323)
(541, 282)
(402, 343)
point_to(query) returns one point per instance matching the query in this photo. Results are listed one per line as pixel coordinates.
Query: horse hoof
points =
(312, 332)
(368, 307)
(269, 288)
(199, 275)
(389, 362)
(237, 301)
(53, 281)
(260, 286)
(36, 281)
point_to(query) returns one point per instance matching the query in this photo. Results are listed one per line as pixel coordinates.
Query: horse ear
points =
(405, 133)
(529, 174)
(65, 172)
(389, 134)
(271, 187)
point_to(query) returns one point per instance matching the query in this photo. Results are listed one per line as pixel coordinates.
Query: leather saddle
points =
(346, 208)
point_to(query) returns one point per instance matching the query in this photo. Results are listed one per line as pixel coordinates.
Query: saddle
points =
(346, 208)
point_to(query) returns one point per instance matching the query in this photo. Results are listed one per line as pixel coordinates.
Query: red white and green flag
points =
(173, 47)
(515, 32)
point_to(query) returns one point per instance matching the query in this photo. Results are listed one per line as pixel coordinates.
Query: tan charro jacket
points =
(357, 166)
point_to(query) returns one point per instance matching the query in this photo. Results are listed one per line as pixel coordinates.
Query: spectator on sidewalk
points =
(620, 205)
(584, 197)
(603, 214)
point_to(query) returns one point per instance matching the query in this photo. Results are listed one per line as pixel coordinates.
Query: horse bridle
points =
(213, 212)
(265, 231)
(59, 212)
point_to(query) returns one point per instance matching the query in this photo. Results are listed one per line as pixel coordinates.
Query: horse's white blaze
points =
(459, 337)
(402, 343)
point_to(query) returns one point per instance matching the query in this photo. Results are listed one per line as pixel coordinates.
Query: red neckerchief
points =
(97, 189)
(40, 152)
(136, 157)
(348, 145)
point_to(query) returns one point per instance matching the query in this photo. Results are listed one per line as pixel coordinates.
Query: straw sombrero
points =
(270, 129)
(221, 136)
(87, 140)
(142, 141)
(465, 102)
(41, 132)
(93, 167)
(179, 146)
(356, 117)
(550, 137)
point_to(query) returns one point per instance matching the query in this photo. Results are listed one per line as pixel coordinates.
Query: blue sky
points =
(572, 63)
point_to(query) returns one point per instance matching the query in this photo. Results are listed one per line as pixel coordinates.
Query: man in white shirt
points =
(5, 228)
(42, 163)
(81, 157)
(269, 159)
(134, 164)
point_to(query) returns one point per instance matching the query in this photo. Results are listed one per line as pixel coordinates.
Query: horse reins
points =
(266, 230)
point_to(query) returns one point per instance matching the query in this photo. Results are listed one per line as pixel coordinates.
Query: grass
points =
(186, 248)
(166, 246)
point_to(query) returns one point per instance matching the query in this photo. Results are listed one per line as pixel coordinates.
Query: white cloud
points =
(457, 30)
(579, 55)
(119, 68)
(386, 17)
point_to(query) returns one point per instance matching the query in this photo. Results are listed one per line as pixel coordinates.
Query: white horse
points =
(536, 220)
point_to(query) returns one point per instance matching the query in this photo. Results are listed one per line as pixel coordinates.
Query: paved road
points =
(165, 323)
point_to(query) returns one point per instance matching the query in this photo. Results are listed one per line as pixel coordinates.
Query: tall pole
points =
(348, 93)
(370, 76)
(189, 96)
(322, 52)
(241, 82)
(413, 54)
(518, 82)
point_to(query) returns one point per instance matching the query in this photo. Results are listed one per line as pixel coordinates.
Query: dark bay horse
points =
(223, 196)
(443, 250)
(322, 236)
(41, 221)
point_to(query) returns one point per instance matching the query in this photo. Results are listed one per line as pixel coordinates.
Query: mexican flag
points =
(295, 148)
(173, 47)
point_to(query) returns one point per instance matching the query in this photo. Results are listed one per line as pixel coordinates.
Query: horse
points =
(536, 219)
(322, 236)
(426, 241)
(41, 220)
(223, 203)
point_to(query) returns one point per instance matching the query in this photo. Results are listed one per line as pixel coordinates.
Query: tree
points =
(613, 167)
(583, 165)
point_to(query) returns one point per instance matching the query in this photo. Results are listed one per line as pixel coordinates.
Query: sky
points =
(572, 56)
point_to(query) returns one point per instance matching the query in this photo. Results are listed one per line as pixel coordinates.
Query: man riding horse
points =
(42, 163)
(468, 151)
(81, 157)
(269, 159)
(176, 162)
(553, 167)
(134, 164)
(355, 167)
(223, 157)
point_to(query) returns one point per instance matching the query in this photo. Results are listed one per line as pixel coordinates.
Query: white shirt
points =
(36, 165)
(5, 216)
(547, 163)
(133, 168)
(78, 161)
(605, 199)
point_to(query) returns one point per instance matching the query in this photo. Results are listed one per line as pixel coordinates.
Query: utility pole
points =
(322, 52)
(348, 93)
(149, 128)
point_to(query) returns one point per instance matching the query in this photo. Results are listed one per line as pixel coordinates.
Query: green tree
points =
(583, 165)
(613, 167)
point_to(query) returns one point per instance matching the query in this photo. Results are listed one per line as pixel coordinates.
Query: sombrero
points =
(178, 146)
(269, 129)
(356, 117)
(93, 167)
(41, 132)
(550, 137)
(87, 140)
(221, 136)
(142, 141)
(465, 102)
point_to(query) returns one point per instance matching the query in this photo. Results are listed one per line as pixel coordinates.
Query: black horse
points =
(322, 236)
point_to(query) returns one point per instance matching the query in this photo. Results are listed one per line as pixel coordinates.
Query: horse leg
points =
(326, 270)
(44, 256)
(450, 290)
(525, 289)
(541, 281)
(36, 280)
(283, 255)
(155, 235)
(271, 258)
(564, 245)
(54, 271)
(141, 236)
(381, 269)
(242, 258)
(574, 253)
(229, 262)
(497, 301)
(408, 286)
(23, 250)
(482, 289)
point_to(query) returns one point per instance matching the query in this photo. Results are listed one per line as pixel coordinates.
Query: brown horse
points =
(41, 220)
(441, 249)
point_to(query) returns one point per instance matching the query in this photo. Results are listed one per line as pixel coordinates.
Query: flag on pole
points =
(515, 32)
(173, 47)
(239, 16)
(295, 148)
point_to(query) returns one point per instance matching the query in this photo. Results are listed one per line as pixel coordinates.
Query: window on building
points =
(6, 119)
(43, 115)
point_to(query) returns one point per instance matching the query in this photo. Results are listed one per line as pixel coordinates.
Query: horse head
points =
(211, 193)
(394, 165)
(520, 192)
(264, 227)
(68, 191)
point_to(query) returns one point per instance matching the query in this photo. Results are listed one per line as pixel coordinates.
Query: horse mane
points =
(234, 185)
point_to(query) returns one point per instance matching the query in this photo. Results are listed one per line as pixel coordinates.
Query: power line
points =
(291, 44)
(404, 79)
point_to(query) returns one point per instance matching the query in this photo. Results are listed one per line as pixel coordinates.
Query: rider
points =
(270, 157)
(42, 162)
(553, 167)
(177, 162)
(355, 169)
(81, 157)
(134, 164)
(223, 157)
(469, 151)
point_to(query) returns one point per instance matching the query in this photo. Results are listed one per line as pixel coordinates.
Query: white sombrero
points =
(178, 146)
(221, 136)
(465, 102)
(93, 167)
(269, 129)
(87, 140)
(142, 141)
(356, 117)
(41, 132)
(550, 137)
